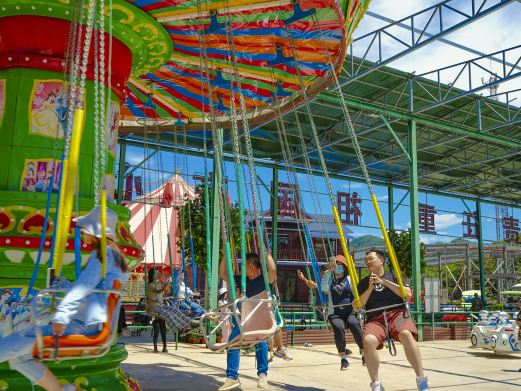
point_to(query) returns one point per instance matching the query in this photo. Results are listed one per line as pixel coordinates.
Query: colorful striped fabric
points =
(267, 35)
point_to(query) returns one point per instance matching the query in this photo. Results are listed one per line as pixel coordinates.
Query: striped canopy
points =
(154, 219)
(278, 45)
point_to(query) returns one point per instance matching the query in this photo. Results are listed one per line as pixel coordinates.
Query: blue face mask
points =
(339, 269)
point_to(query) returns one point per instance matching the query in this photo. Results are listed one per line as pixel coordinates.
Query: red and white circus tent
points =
(154, 217)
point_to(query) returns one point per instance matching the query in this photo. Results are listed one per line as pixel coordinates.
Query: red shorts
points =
(398, 320)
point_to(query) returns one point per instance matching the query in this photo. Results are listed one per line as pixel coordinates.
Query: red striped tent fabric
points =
(154, 218)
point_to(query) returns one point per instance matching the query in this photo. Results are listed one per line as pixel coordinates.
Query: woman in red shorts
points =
(378, 290)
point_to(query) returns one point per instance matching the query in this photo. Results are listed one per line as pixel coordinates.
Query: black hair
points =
(379, 253)
(253, 258)
(152, 273)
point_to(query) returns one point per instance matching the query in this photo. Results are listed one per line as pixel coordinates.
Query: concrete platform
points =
(450, 365)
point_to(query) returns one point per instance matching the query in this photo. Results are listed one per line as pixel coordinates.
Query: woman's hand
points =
(58, 329)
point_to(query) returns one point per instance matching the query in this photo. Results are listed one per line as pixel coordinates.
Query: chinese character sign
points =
(470, 227)
(511, 227)
(288, 199)
(348, 206)
(426, 218)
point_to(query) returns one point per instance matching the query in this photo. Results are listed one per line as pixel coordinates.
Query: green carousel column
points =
(481, 255)
(216, 220)
(415, 229)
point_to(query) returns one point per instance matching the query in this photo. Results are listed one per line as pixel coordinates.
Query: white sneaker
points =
(377, 386)
(263, 381)
(230, 384)
(422, 383)
(283, 353)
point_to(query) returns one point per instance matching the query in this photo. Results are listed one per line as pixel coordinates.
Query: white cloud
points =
(446, 220)
(489, 34)
(383, 198)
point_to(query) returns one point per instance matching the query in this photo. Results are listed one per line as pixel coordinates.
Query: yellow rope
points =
(70, 169)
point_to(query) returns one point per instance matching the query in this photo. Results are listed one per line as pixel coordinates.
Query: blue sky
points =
(492, 33)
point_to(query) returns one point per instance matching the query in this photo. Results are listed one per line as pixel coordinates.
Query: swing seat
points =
(256, 320)
(77, 346)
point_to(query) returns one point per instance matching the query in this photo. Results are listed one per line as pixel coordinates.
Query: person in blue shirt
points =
(80, 311)
(337, 284)
(254, 285)
(185, 296)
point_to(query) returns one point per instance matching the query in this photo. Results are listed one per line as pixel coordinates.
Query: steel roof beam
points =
(446, 15)
(423, 120)
(467, 163)
(443, 40)
(464, 73)
(271, 164)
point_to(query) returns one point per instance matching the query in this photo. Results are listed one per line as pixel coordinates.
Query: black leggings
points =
(159, 326)
(342, 320)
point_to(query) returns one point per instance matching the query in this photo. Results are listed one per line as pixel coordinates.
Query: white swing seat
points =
(255, 317)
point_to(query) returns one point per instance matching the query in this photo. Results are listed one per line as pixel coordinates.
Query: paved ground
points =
(450, 365)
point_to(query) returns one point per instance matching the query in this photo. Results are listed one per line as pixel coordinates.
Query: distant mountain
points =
(460, 241)
(366, 241)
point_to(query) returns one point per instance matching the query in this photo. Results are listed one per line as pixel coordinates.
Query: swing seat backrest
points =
(257, 322)
(257, 319)
(77, 346)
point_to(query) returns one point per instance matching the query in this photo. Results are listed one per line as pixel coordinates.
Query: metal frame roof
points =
(467, 145)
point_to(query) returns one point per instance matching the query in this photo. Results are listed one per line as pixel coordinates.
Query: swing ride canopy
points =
(218, 48)
(154, 220)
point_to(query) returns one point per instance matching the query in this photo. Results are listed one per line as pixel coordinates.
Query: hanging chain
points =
(97, 106)
(102, 102)
(310, 117)
(79, 93)
(345, 111)
(76, 40)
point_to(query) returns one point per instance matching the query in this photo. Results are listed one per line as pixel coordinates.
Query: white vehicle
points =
(496, 331)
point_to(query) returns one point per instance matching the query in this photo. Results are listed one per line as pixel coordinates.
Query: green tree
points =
(401, 242)
(194, 225)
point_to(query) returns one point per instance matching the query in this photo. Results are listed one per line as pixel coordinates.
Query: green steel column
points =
(216, 220)
(481, 256)
(390, 203)
(121, 170)
(415, 228)
(274, 213)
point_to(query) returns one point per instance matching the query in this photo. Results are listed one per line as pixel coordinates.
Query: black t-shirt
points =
(383, 298)
(253, 287)
(341, 293)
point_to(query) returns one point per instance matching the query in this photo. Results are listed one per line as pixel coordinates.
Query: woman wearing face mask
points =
(338, 285)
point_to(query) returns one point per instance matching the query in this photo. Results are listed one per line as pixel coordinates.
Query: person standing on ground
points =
(276, 341)
(378, 290)
(254, 286)
(165, 315)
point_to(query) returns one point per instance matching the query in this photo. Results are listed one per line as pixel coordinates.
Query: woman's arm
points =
(309, 283)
